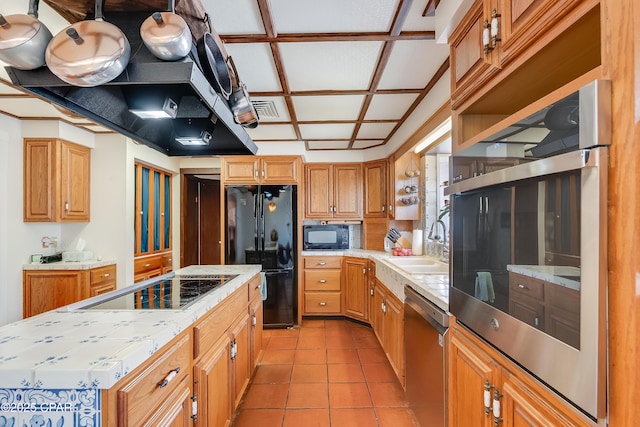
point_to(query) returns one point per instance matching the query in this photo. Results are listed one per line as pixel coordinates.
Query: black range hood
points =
(201, 110)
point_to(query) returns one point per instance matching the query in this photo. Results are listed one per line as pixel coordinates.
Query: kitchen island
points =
(59, 366)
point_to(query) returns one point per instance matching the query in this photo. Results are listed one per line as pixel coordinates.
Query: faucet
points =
(440, 239)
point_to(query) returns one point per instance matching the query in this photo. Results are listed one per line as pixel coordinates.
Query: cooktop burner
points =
(170, 294)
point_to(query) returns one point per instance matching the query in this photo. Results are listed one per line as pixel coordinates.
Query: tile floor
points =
(324, 373)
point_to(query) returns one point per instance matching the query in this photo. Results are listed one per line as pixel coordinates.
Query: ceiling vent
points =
(266, 109)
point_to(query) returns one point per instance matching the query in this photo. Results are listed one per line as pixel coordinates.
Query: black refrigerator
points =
(261, 229)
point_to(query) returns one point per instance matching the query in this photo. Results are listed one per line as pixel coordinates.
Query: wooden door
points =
(210, 238)
(240, 359)
(212, 384)
(256, 313)
(74, 201)
(39, 180)
(470, 369)
(375, 189)
(279, 170)
(356, 289)
(347, 191)
(394, 334)
(376, 314)
(318, 191)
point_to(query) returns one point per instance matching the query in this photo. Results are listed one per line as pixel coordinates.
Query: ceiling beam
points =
(327, 37)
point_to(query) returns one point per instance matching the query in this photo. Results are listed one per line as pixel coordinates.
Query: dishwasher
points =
(425, 327)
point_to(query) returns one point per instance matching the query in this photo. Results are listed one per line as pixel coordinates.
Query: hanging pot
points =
(244, 113)
(166, 35)
(214, 64)
(24, 39)
(89, 53)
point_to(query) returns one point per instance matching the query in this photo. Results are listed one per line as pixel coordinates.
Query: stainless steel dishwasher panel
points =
(425, 328)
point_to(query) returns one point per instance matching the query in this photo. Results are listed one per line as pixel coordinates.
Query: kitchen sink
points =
(419, 265)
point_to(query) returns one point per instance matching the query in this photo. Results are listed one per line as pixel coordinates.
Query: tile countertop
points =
(69, 265)
(434, 287)
(96, 348)
(559, 275)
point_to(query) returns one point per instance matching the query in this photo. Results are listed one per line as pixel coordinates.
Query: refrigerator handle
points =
(262, 225)
(256, 218)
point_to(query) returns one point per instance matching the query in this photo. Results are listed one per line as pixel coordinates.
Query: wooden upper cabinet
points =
(347, 191)
(333, 191)
(375, 189)
(319, 190)
(56, 181)
(260, 170)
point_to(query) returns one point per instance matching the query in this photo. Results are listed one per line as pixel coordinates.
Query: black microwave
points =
(325, 237)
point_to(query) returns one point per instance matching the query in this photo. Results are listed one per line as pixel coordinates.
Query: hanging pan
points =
(89, 53)
(24, 39)
(214, 64)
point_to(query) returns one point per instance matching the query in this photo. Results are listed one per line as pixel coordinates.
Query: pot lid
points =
(171, 27)
(101, 45)
(18, 30)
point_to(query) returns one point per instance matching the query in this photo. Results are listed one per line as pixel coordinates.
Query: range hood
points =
(202, 115)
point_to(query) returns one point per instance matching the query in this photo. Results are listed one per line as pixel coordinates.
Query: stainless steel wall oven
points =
(528, 253)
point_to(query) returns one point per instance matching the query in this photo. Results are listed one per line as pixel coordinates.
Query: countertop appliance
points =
(425, 328)
(528, 255)
(261, 229)
(167, 292)
(332, 237)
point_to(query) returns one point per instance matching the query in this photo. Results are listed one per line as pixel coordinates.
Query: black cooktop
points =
(174, 293)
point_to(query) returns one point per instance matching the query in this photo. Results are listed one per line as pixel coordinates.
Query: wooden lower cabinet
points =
(240, 358)
(255, 337)
(355, 288)
(177, 412)
(322, 285)
(150, 266)
(387, 321)
(474, 368)
(45, 290)
(212, 377)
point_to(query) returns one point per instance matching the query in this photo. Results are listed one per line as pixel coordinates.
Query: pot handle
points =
(33, 8)
(172, 6)
(3, 22)
(157, 16)
(98, 13)
(235, 78)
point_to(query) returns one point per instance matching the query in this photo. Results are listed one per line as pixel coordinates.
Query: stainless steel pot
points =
(243, 110)
(24, 39)
(166, 35)
(89, 53)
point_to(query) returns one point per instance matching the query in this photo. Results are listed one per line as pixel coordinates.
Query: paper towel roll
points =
(416, 247)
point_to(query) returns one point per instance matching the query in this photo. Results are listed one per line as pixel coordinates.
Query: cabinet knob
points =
(147, 265)
(322, 281)
(106, 275)
(521, 286)
(66, 206)
(322, 304)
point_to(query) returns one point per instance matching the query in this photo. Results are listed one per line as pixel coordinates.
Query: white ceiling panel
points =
(330, 16)
(415, 21)
(98, 129)
(235, 16)
(275, 104)
(328, 145)
(327, 131)
(272, 132)
(375, 130)
(329, 66)
(255, 66)
(7, 89)
(360, 144)
(336, 107)
(424, 57)
(28, 107)
(389, 106)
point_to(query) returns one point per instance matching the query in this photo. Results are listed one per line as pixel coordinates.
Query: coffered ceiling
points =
(332, 74)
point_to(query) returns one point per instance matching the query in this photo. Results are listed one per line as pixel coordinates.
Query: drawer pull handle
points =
(171, 375)
(322, 263)
(322, 304)
(521, 286)
(147, 265)
(106, 275)
(258, 287)
(322, 281)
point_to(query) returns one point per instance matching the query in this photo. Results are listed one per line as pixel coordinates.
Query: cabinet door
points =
(240, 359)
(44, 291)
(377, 314)
(212, 383)
(375, 189)
(75, 202)
(319, 191)
(39, 180)
(347, 191)
(394, 334)
(279, 170)
(176, 412)
(356, 289)
(469, 370)
(244, 170)
(256, 313)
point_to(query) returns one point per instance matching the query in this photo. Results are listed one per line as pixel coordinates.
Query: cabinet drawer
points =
(143, 395)
(167, 260)
(210, 329)
(322, 302)
(323, 262)
(148, 263)
(103, 274)
(320, 280)
(254, 287)
(526, 286)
